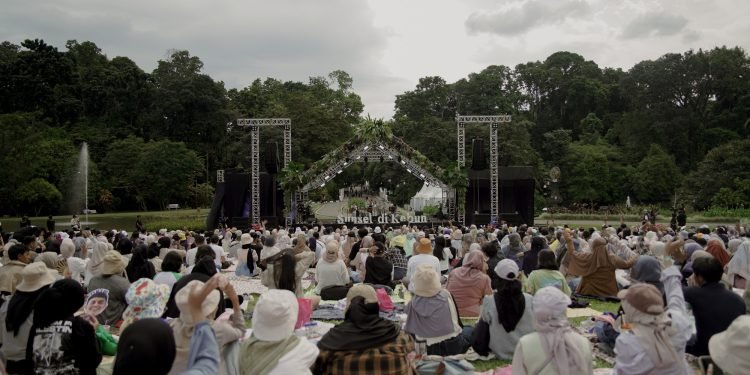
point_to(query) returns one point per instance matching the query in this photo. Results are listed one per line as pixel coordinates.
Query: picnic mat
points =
(585, 312)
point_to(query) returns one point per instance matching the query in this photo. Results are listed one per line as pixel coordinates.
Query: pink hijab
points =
(472, 269)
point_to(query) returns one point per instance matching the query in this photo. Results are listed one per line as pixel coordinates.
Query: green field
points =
(153, 220)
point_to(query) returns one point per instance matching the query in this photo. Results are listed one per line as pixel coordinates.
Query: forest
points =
(671, 130)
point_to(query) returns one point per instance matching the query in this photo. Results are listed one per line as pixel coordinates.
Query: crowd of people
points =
(159, 303)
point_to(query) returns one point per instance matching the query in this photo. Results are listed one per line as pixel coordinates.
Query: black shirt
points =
(715, 308)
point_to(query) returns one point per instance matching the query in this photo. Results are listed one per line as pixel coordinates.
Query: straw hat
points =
(35, 276)
(246, 239)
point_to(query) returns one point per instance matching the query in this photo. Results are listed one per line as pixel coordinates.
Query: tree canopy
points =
(676, 124)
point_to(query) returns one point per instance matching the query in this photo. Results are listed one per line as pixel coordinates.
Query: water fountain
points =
(80, 186)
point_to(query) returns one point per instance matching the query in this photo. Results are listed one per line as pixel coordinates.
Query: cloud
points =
(518, 19)
(238, 41)
(654, 24)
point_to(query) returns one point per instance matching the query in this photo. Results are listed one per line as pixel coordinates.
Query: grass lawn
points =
(153, 220)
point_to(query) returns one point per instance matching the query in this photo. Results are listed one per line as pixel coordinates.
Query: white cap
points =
(507, 269)
(275, 315)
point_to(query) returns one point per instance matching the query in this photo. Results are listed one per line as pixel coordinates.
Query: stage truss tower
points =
(494, 122)
(254, 124)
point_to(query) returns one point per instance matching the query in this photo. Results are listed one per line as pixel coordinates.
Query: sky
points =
(385, 45)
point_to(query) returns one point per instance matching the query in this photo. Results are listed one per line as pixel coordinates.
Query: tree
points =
(656, 177)
(591, 128)
(171, 167)
(724, 166)
(38, 195)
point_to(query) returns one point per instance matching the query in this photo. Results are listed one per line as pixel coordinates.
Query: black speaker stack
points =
(515, 192)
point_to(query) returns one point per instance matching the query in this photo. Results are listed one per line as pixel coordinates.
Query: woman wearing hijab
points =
(597, 268)
(148, 345)
(183, 326)
(716, 248)
(94, 266)
(139, 267)
(273, 348)
(16, 316)
(652, 342)
(554, 349)
(469, 284)
(331, 271)
(506, 315)
(648, 270)
(546, 275)
(112, 269)
(50, 260)
(531, 258)
(364, 343)
(738, 269)
(378, 270)
(60, 342)
(514, 248)
(432, 316)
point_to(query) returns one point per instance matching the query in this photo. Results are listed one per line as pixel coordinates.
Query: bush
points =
(430, 210)
(359, 202)
(726, 212)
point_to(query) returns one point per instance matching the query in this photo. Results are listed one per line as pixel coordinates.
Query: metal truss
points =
(300, 200)
(494, 122)
(461, 144)
(219, 176)
(373, 153)
(255, 124)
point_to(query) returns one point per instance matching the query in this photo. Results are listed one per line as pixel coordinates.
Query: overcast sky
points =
(386, 45)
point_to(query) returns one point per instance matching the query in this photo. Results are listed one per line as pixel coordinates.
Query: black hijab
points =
(145, 347)
(20, 307)
(510, 303)
(60, 301)
(531, 257)
(363, 328)
(139, 266)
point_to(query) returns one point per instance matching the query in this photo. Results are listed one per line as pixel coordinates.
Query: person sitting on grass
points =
(469, 284)
(597, 268)
(171, 270)
(506, 315)
(714, 306)
(273, 348)
(378, 270)
(546, 275)
(364, 343)
(184, 326)
(331, 271)
(554, 349)
(432, 316)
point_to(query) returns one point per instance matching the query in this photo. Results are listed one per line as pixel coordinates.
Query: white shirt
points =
(191, 256)
(416, 260)
(219, 251)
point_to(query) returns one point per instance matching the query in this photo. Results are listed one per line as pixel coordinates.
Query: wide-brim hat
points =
(35, 276)
(726, 348)
(246, 239)
(146, 299)
(426, 281)
(275, 315)
(209, 305)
